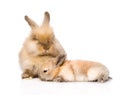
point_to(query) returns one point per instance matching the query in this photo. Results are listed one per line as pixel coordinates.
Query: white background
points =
(87, 29)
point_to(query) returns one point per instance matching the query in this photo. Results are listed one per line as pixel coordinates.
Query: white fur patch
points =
(81, 78)
(27, 65)
(32, 48)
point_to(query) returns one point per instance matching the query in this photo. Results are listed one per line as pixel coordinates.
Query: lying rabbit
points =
(76, 70)
(39, 46)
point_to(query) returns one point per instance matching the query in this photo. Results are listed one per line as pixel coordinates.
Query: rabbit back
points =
(80, 70)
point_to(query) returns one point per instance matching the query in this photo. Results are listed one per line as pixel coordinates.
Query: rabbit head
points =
(43, 35)
(48, 70)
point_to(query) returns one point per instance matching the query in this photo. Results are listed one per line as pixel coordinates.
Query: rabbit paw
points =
(27, 74)
(58, 79)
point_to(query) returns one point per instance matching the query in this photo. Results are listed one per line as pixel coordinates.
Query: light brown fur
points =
(40, 46)
(76, 70)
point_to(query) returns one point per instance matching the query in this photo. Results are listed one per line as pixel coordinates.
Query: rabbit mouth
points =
(46, 54)
(44, 79)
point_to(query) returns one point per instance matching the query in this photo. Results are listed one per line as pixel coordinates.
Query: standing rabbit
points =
(76, 70)
(39, 46)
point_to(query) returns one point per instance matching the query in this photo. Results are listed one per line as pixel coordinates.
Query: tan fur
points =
(76, 70)
(40, 46)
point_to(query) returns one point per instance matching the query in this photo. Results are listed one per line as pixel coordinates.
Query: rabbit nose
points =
(46, 47)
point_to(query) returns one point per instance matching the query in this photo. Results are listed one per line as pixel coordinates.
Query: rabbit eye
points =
(45, 71)
(34, 38)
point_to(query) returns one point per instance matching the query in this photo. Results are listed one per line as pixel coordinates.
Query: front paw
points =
(27, 74)
(58, 79)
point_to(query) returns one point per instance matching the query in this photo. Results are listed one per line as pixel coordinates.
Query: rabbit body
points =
(76, 70)
(41, 45)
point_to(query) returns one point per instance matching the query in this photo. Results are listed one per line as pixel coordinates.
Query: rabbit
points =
(74, 71)
(39, 46)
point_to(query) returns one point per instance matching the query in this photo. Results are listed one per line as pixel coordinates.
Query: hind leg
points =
(98, 74)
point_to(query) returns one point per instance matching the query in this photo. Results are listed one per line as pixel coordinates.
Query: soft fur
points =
(76, 70)
(39, 46)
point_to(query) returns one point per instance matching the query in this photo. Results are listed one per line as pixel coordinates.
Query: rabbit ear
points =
(32, 24)
(60, 60)
(46, 19)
